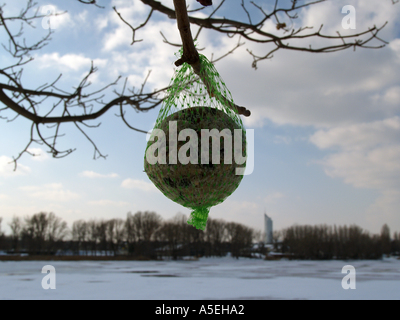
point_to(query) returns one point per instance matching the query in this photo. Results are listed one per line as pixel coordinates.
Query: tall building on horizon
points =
(268, 229)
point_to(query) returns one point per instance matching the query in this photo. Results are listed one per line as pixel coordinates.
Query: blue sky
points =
(327, 126)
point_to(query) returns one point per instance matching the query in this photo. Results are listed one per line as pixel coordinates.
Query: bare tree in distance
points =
(16, 227)
(81, 105)
(141, 229)
(40, 233)
(93, 235)
(151, 222)
(130, 232)
(35, 229)
(172, 232)
(103, 236)
(216, 234)
(385, 239)
(176, 239)
(57, 230)
(119, 233)
(1, 233)
(80, 234)
(239, 236)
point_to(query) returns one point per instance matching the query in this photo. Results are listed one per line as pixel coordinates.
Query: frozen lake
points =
(207, 278)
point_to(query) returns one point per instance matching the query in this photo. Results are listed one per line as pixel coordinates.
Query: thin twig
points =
(191, 56)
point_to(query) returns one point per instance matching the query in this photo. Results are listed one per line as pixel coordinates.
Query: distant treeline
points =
(147, 235)
(143, 234)
(338, 242)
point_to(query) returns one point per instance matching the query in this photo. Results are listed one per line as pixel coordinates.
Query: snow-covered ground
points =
(207, 278)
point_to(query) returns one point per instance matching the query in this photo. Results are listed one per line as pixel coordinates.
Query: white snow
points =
(207, 278)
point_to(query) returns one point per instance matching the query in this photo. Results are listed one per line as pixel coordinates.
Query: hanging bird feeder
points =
(179, 158)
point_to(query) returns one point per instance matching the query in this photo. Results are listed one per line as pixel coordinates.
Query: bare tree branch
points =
(48, 106)
(91, 2)
(135, 29)
(191, 56)
(255, 33)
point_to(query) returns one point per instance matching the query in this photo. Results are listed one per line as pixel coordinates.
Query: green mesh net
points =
(179, 158)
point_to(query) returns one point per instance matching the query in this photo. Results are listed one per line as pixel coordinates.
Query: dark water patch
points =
(160, 275)
(257, 277)
(16, 274)
(142, 271)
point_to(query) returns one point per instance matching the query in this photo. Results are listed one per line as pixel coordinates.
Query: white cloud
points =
(359, 136)
(101, 23)
(378, 168)
(257, 118)
(368, 14)
(247, 212)
(367, 154)
(135, 63)
(316, 90)
(118, 37)
(7, 168)
(128, 7)
(392, 95)
(394, 45)
(273, 197)
(82, 17)
(385, 209)
(138, 184)
(50, 192)
(40, 155)
(105, 202)
(130, 11)
(3, 196)
(92, 174)
(321, 90)
(67, 62)
(55, 21)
